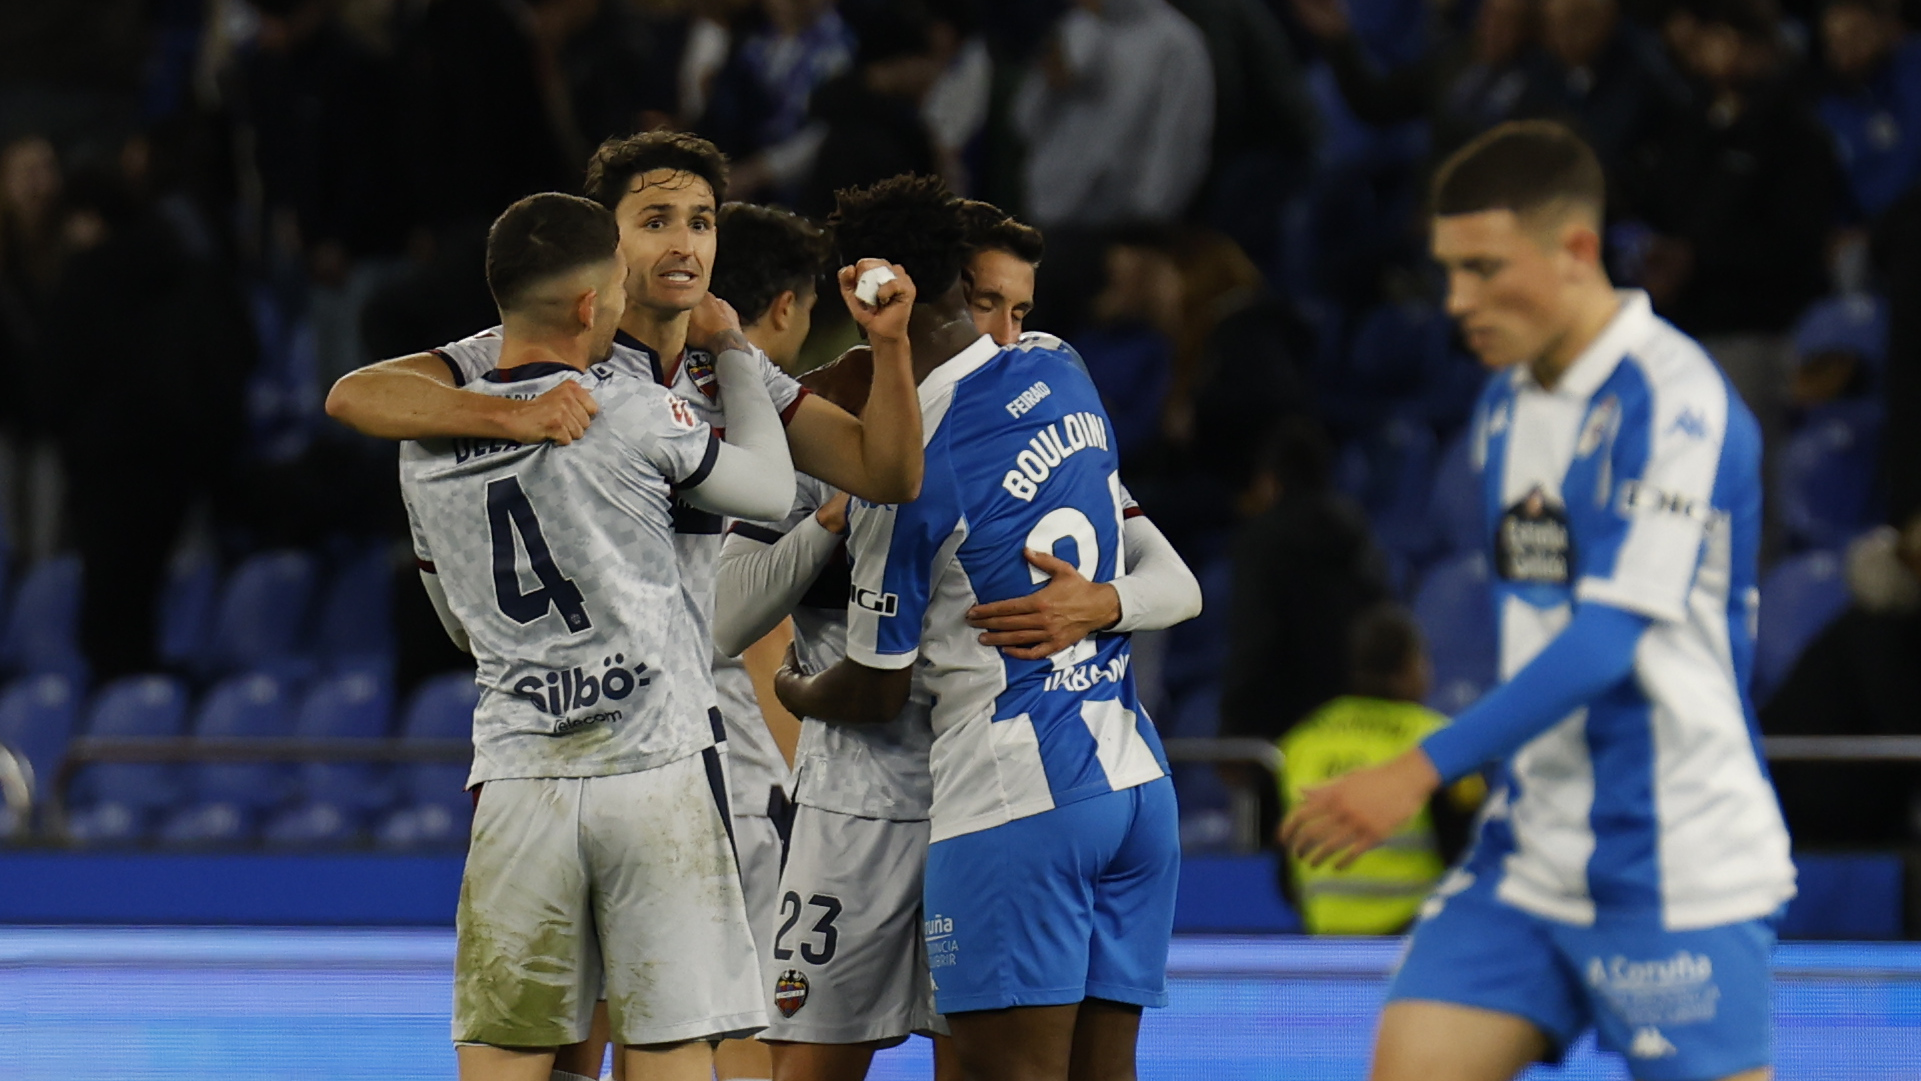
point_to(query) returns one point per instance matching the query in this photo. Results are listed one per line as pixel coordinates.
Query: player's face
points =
(667, 238)
(610, 303)
(1000, 294)
(1504, 285)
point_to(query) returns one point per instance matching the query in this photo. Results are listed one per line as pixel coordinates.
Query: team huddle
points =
(619, 490)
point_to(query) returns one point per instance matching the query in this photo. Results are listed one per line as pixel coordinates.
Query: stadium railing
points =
(1262, 759)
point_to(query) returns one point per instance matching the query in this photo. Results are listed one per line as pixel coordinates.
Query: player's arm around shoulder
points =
(750, 476)
(414, 397)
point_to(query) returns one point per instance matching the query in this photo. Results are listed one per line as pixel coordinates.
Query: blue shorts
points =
(1068, 904)
(1681, 1005)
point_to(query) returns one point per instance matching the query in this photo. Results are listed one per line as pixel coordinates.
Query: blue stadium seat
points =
(355, 625)
(435, 808)
(1391, 474)
(1456, 511)
(186, 616)
(114, 802)
(1197, 649)
(229, 797)
(42, 629)
(261, 624)
(1455, 609)
(1825, 477)
(36, 718)
(337, 796)
(1800, 596)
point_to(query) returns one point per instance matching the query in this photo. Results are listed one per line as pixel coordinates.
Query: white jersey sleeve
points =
(471, 357)
(1666, 455)
(660, 432)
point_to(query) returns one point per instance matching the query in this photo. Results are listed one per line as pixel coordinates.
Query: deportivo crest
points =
(700, 368)
(1533, 543)
(1600, 425)
(790, 992)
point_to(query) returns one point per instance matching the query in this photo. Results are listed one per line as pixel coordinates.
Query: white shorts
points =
(626, 884)
(847, 962)
(757, 839)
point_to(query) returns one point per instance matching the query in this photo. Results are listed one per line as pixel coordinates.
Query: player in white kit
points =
(601, 854)
(1631, 858)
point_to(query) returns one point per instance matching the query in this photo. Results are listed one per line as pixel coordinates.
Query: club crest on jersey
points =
(700, 368)
(1601, 422)
(790, 992)
(1533, 543)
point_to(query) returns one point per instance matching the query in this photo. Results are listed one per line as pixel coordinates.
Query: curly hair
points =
(989, 228)
(762, 253)
(908, 219)
(618, 160)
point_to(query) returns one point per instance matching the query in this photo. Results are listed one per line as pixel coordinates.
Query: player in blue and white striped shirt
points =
(1632, 854)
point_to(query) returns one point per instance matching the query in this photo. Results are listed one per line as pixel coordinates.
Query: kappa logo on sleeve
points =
(1691, 423)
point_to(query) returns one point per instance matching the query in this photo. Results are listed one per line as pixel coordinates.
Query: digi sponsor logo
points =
(790, 992)
(943, 950)
(563, 693)
(1639, 498)
(869, 600)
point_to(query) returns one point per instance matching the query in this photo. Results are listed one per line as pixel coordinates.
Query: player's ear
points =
(585, 306)
(1581, 240)
(781, 312)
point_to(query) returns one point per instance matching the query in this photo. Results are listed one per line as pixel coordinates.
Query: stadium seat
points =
(115, 801)
(42, 629)
(1197, 649)
(337, 796)
(354, 630)
(1456, 612)
(261, 623)
(36, 719)
(435, 807)
(228, 797)
(1391, 474)
(186, 615)
(1799, 598)
(1455, 510)
(1825, 477)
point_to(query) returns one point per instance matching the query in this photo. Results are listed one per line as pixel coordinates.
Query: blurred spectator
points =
(866, 124)
(1465, 83)
(1304, 567)
(1129, 347)
(1860, 676)
(475, 113)
(165, 344)
(1603, 75)
(1118, 115)
(757, 112)
(1265, 126)
(955, 108)
(1740, 191)
(1873, 104)
(31, 250)
(619, 68)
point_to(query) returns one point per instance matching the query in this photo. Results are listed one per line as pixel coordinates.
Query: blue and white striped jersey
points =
(1636, 483)
(1019, 455)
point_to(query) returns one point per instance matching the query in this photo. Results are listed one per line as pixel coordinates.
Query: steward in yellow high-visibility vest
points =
(1382, 891)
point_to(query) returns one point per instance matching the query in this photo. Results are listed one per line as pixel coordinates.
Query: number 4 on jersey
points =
(508, 512)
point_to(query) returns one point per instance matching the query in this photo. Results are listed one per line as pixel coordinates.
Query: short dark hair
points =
(1522, 166)
(619, 160)
(762, 253)
(989, 228)
(542, 237)
(1385, 643)
(908, 219)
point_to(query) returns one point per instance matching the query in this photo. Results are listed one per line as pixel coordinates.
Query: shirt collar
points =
(941, 380)
(1602, 355)
(622, 338)
(536, 370)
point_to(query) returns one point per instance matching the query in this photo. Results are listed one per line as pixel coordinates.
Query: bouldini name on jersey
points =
(1050, 447)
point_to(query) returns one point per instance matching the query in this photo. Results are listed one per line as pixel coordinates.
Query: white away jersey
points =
(559, 563)
(1019, 455)
(1634, 483)
(870, 770)
(754, 759)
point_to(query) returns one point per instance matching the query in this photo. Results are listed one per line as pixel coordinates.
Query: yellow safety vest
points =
(1383, 890)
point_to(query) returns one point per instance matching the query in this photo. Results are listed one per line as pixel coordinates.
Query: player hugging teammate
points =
(588, 538)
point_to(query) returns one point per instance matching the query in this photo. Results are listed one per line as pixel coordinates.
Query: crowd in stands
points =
(211, 209)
